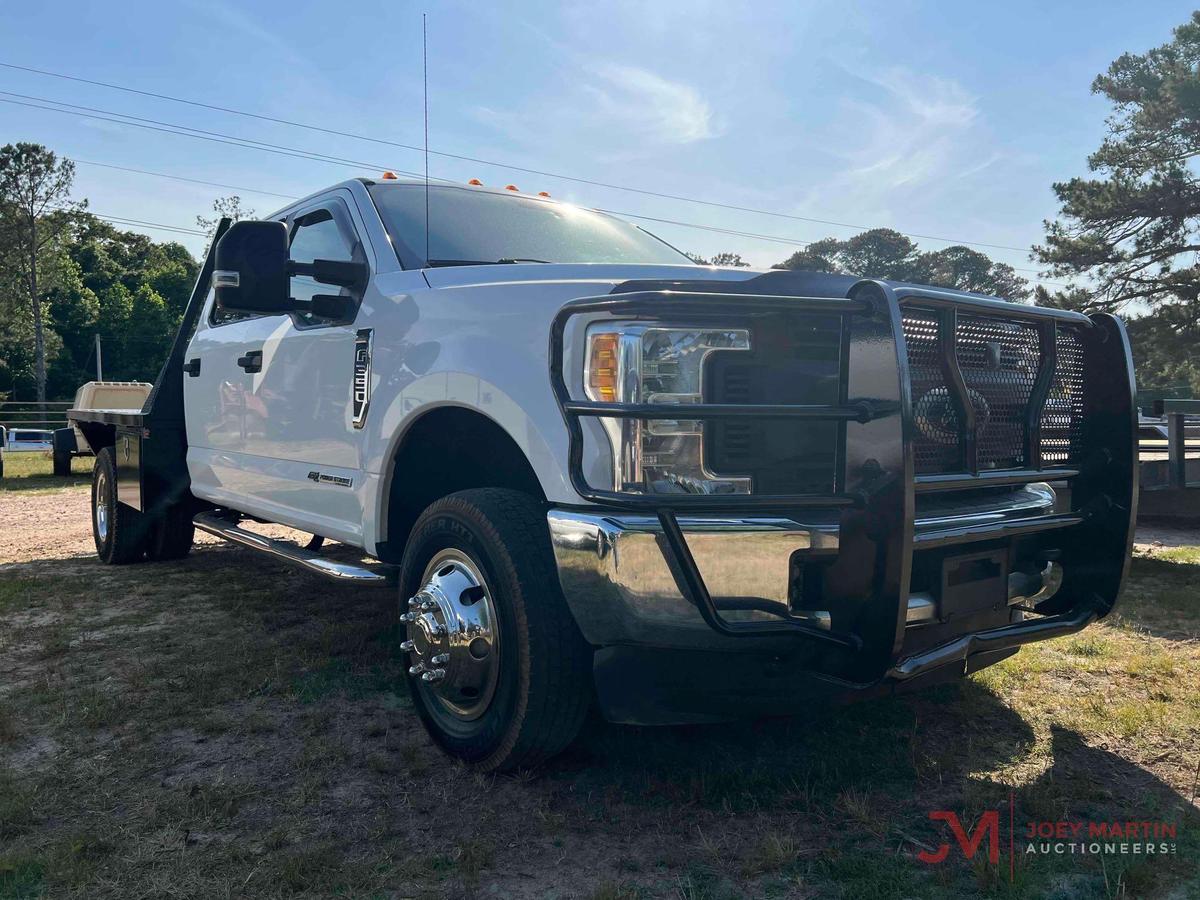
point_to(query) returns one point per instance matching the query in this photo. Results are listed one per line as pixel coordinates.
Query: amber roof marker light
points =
(389, 176)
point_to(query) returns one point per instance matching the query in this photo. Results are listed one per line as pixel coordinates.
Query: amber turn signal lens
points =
(602, 367)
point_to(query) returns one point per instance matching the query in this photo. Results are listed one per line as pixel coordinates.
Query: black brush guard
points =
(874, 485)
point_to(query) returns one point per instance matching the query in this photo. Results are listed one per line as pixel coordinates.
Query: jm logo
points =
(988, 826)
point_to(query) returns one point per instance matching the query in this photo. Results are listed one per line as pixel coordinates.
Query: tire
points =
(541, 681)
(171, 535)
(119, 530)
(62, 464)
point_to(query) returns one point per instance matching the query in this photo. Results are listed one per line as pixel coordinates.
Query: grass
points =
(34, 472)
(225, 726)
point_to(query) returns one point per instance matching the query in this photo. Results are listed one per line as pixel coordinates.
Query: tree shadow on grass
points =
(1088, 784)
(1161, 598)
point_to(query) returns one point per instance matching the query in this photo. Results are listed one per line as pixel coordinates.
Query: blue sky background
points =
(934, 118)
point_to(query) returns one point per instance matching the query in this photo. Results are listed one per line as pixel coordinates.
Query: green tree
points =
(230, 206)
(888, 254)
(1132, 227)
(969, 270)
(34, 186)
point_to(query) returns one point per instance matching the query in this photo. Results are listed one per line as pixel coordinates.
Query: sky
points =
(946, 120)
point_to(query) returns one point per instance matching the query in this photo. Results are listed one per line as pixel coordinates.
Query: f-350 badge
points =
(362, 377)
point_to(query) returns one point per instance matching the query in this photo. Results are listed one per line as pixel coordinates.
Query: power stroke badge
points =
(361, 387)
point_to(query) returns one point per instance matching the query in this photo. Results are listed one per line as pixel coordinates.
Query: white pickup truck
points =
(602, 473)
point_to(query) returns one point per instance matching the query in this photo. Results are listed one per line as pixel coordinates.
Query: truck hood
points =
(584, 273)
(567, 281)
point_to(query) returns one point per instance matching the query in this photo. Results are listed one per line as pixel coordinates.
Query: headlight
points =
(657, 364)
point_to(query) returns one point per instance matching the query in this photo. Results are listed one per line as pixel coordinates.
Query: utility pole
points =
(99, 364)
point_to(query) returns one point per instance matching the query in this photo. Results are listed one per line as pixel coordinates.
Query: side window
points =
(324, 233)
(319, 235)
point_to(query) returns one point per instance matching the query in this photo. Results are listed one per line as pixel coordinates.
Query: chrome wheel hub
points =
(453, 642)
(102, 506)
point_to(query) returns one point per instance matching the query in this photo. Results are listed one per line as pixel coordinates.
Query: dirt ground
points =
(223, 726)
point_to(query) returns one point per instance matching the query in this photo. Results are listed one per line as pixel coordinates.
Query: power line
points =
(283, 150)
(220, 138)
(746, 234)
(611, 212)
(121, 220)
(488, 162)
(215, 137)
(233, 187)
(228, 187)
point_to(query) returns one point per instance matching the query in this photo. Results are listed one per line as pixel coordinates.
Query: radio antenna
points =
(425, 73)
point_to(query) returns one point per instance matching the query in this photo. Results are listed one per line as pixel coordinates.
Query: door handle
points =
(192, 367)
(252, 361)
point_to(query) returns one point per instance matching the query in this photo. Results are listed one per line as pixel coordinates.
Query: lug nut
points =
(412, 602)
(407, 646)
(441, 659)
(434, 675)
(439, 629)
(408, 617)
(417, 669)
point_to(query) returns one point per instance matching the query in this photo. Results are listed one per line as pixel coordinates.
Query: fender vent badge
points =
(361, 388)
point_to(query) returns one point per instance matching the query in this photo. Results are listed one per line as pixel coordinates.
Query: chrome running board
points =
(285, 551)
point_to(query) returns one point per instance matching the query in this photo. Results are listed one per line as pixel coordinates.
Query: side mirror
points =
(251, 272)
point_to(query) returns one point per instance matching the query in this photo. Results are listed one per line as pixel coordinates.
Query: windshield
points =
(471, 227)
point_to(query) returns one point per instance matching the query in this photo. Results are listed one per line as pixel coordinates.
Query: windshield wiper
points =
(506, 260)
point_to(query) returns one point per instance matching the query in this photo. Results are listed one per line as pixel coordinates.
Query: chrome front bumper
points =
(622, 591)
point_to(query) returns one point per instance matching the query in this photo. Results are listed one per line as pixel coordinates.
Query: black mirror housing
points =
(251, 270)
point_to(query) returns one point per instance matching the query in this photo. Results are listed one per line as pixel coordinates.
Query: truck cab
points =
(594, 469)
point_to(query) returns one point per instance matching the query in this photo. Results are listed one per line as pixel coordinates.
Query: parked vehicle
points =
(28, 440)
(596, 469)
(70, 442)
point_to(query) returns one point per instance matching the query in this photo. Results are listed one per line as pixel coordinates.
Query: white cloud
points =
(649, 106)
(906, 132)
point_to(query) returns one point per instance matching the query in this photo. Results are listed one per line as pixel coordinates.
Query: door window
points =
(321, 234)
(324, 233)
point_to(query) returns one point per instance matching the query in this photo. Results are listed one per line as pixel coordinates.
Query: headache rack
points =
(994, 370)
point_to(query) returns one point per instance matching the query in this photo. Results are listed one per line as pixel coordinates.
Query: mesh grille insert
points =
(998, 359)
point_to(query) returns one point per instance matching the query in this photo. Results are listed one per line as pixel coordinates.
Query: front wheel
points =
(499, 672)
(119, 530)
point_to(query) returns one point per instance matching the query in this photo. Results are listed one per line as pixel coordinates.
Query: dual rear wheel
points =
(124, 535)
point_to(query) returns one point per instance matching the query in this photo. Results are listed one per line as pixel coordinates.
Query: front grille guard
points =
(874, 483)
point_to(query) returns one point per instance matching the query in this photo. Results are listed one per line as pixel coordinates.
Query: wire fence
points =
(33, 415)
